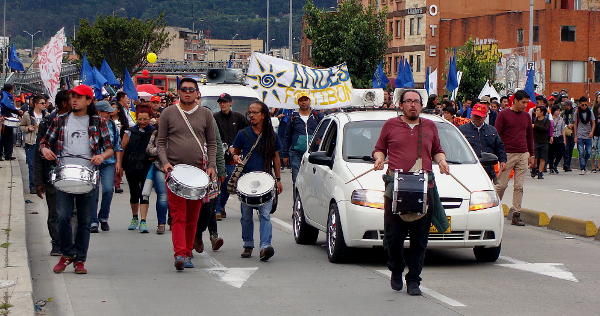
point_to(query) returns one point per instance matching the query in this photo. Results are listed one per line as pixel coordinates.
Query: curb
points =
(17, 268)
(530, 217)
(597, 236)
(574, 226)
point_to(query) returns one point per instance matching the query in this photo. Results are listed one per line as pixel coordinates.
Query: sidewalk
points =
(14, 260)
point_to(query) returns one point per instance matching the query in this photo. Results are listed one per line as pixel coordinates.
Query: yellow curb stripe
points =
(573, 226)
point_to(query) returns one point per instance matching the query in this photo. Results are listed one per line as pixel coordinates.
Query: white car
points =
(351, 214)
(242, 96)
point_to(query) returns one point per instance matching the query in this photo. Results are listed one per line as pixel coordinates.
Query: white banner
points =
(50, 59)
(433, 82)
(488, 89)
(279, 83)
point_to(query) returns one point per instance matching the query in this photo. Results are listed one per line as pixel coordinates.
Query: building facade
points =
(185, 45)
(224, 50)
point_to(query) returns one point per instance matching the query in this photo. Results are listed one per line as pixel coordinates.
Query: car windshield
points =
(240, 104)
(360, 138)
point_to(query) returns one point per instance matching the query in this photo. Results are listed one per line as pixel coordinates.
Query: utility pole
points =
(4, 39)
(290, 35)
(530, 51)
(32, 36)
(267, 42)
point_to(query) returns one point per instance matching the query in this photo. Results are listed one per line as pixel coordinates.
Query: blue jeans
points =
(107, 181)
(584, 147)
(266, 229)
(295, 160)
(30, 159)
(65, 204)
(224, 195)
(160, 186)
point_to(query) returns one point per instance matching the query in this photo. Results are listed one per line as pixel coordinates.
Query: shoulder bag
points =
(237, 173)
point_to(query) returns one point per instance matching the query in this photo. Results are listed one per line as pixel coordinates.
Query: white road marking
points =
(577, 192)
(282, 224)
(555, 270)
(429, 292)
(235, 277)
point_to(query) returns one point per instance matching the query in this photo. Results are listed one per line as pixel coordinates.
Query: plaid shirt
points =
(99, 136)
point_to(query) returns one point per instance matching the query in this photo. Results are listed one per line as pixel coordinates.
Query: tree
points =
(476, 70)
(353, 34)
(123, 42)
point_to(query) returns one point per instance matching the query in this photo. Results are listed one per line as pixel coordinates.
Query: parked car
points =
(351, 214)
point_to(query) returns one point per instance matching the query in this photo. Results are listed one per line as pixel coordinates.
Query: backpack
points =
(135, 158)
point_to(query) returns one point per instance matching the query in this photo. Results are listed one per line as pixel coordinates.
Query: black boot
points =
(396, 281)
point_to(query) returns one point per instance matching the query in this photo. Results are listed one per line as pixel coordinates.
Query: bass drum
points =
(256, 188)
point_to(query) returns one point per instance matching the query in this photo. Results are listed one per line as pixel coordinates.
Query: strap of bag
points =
(251, 149)
(420, 140)
(187, 122)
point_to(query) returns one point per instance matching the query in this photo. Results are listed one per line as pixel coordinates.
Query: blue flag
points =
(13, 59)
(380, 80)
(7, 100)
(129, 87)
(452, 80)
(99, 82)
(108, 74)
(230, 63)
(409, 81)
(529, 85)
(178, 82)
(427, 80)
(400, 77)
(87, 73)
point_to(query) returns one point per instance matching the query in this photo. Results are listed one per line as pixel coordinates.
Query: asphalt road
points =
(541, 273)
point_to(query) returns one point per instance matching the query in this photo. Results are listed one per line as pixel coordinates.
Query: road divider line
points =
(577, 192)
(282, 224)
(429, 292)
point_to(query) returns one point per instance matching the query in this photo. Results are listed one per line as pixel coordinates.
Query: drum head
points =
(190, 176)
(255, 183)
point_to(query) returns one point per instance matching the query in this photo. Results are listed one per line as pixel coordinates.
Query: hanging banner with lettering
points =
(279, 83)
(50, 59)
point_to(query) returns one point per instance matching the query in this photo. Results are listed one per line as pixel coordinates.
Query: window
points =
(520, 36)
(536, 34)
(389, 65)
(399, 28)
(597, 71)
(567, 33)
(418, 63)
(318, 137)
(412, 27)
(396, 62)
(392, 28)
(411, 62)
(567, 71)
(419, 25)
(330, 140)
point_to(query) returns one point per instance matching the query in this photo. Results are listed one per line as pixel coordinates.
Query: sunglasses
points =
(188, 89)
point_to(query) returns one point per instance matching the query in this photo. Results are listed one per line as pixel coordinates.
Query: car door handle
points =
(314, 170)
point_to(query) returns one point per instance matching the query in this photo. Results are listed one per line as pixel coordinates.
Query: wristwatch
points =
(278, 179)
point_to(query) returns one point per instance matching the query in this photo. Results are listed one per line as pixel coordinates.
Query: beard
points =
(76, 110)
(411, 116)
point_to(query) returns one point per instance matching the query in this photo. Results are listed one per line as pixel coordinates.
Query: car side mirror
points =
(488, 159)
(320, 158)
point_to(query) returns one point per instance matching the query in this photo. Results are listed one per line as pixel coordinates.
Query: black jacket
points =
(485, 140)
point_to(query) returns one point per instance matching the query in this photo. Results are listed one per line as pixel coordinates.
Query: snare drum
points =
(188, 182)
(74, 179)
(410, 193)
(256, 188)
(11, 122)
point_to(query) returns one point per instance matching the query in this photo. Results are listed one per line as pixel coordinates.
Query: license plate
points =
(432, 228)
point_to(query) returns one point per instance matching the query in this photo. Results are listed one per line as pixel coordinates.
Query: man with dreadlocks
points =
(264, 157)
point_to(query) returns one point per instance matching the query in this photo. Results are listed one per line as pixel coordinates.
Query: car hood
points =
(473, 176)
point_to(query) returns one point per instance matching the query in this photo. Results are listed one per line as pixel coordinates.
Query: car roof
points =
(235, 90)
(376, 115)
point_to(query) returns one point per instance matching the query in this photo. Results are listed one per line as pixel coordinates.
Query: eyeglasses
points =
(188, 89)
(254, 112)
(413, 102)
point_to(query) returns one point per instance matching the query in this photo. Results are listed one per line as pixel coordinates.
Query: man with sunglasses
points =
(585, 123)
(399, 141)
(176, 145)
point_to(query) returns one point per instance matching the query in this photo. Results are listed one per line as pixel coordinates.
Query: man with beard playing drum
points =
(186, 136)
(260, 146)
(411, 144)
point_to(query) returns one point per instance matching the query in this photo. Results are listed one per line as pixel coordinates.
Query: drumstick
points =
(459, 182)
(364, 173)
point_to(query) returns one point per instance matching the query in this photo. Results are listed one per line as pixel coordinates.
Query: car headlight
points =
(368, 198)
(481, 200)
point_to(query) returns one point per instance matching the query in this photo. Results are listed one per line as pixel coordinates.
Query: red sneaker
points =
(62, 264)
(79, 267)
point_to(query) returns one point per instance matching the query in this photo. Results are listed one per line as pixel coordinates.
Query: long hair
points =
(266, 146)
(61, 100)
(91, 110)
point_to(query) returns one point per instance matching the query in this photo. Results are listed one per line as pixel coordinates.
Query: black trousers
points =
(207, 219)
(556, 152)
(136, 180)
(568, 152)
(396, 231)
(52, 221)
(7, 142)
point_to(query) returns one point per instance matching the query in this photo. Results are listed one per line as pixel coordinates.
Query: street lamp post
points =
(290, 36)
(267, 41)
(32, 36)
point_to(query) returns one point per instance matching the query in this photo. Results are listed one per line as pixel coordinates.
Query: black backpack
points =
(135, 158)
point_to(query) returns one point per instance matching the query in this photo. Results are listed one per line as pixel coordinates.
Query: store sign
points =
(414, 11)
(433, 11)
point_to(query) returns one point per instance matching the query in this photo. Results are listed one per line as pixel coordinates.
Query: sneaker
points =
(62, 264)
(94, 228)
(540, 175)
(187, 263)
(143, 227)
(218, 216)
(516, 219)
(247, 253)
(396, 281)
(133, 225)
(104, 226)
(223, 214)
(555, 170)
(161, 229)
(179, 262)
(567, 169)
(80, 267)
(199, 245)
(581, 172)
(55, 252)
(266, 253)
(534, 173)
(216, 242)
(551, 171)
(118, 190)
(413, 289)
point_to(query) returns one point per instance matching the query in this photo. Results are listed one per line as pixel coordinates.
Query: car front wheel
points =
(336, 245)
(304, 234)
(487, 254)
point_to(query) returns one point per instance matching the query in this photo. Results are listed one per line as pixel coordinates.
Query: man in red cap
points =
(79, 137)
(484, 138)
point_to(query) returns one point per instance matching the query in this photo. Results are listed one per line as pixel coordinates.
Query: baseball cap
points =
(83, 90)
(479, 110)
(155, 98)
(485, 99)
(104, 106)
(225, 97)
(304, 96)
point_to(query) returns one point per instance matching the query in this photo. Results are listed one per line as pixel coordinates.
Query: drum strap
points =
(187, 122)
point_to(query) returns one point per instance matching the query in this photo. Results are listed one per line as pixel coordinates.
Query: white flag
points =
(455, 92)
(50, 59)
(433, 82)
